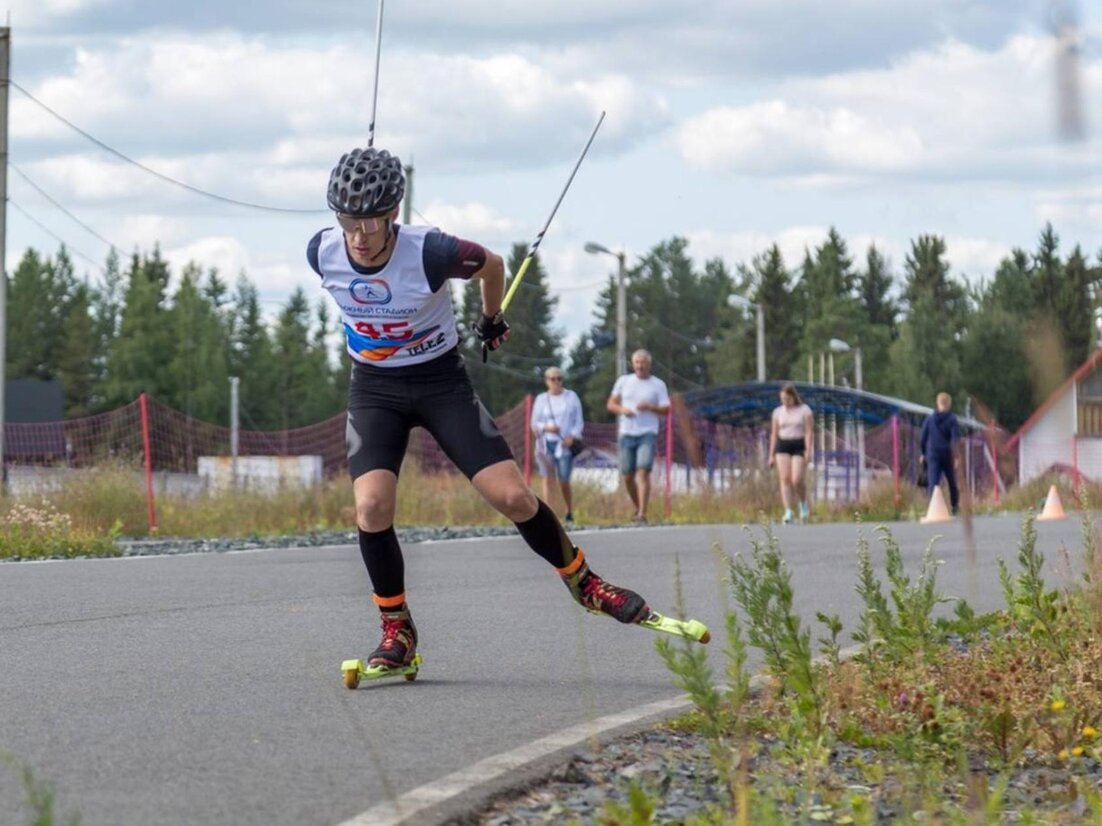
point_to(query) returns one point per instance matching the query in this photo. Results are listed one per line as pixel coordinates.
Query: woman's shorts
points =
(793, 447)
(385, 403)
(550, 465)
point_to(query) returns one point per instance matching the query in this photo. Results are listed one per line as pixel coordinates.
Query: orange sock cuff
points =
(389, 602)
(573, 566)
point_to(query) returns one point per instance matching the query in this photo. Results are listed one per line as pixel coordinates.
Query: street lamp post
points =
(621, 305)
(735, 300)
(839, 346)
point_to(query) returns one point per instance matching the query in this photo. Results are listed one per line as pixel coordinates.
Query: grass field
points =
(86, 514)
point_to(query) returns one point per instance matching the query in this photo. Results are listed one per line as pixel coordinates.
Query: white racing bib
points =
(391, 318)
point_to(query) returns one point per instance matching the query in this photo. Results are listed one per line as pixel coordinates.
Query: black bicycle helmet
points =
(366, 182)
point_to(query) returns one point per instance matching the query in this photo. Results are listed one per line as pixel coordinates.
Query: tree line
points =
(1006, 339)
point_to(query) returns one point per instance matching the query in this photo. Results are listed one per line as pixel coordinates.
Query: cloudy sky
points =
(735, 123)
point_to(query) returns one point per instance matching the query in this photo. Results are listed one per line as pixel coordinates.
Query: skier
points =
(390, 283)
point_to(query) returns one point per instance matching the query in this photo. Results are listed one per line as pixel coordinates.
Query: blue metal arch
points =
(749, 404)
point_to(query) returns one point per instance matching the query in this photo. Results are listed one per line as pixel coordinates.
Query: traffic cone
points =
(1054, 508)
(937, 512)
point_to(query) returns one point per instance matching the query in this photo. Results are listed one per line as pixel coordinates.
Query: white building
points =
(1065, 432)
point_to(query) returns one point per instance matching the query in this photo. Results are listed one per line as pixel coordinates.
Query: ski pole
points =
(375, 89)
(536, 244)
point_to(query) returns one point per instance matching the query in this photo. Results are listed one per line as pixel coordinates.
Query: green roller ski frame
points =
(355, 670)
(692, 629)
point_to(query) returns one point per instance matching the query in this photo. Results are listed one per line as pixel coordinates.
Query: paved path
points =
(206, 688)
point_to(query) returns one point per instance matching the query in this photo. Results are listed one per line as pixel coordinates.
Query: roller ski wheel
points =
(354, 671)
(691, 629)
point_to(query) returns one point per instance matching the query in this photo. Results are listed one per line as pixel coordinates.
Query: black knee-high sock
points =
(545, 535)
(383, 557)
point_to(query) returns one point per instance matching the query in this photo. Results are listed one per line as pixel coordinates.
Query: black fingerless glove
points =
(493, 331)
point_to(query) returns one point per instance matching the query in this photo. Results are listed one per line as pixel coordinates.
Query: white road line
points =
(407, 806)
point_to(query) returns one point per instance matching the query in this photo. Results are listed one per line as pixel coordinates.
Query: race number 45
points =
(393, 331)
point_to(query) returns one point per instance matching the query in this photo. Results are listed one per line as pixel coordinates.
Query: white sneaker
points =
(787, 518)
(805, 511)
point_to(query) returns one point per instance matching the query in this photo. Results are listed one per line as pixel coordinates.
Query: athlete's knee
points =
(374, 511)
(516, 502)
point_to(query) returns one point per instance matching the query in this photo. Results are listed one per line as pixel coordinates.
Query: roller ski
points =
(623, 605)
(354, 671)
(691, 629)
(396, 655)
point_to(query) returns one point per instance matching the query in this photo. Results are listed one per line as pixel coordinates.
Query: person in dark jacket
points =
(940, 433)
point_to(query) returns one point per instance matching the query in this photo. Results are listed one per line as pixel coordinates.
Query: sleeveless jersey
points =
(391, 318)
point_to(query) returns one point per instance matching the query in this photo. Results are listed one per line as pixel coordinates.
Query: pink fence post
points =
(895, 456)
(144, 401)
(527, 438)
(669, 462)
(994, 463)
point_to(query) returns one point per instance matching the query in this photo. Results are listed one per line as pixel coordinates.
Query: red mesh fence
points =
(186, 449)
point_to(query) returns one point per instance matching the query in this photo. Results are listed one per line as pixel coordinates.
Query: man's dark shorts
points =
(385, 403)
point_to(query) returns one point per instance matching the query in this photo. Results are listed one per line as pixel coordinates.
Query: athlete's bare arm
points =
(492, 275)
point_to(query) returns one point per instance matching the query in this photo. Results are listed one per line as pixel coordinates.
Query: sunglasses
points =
(359, 223)
(554, 378)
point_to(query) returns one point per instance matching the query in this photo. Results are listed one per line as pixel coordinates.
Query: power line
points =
(167, 179)
(688, 339)
(55, 236)
(671, 372)
(54, 201)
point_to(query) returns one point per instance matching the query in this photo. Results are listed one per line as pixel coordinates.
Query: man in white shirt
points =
(639, 400)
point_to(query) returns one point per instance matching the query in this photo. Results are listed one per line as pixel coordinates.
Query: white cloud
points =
(273, 275)
(224, 253)
(224, 92)
(974, 258)
(774, 137)
(142, 231)
(740, 247)
(955, 111)
(1073, 209)
(471, 220)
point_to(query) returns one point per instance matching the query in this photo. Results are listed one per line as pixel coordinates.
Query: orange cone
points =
(1054, 508)
(937, 512)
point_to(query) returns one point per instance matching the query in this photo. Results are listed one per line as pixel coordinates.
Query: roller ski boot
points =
(396, 655)
(623, 605)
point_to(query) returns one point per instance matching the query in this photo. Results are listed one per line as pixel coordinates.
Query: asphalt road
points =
(207, 689)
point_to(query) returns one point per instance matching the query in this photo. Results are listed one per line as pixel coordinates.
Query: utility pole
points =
(235, 429)
(621, 318)
(761, 342)
(407, 203)
(5, 65)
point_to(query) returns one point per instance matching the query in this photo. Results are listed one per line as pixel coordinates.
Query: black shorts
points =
(385, 403)
(793, 447)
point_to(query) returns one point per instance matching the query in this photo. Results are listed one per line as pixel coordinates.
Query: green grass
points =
(943, 718)
(111, 501)
(40, 797)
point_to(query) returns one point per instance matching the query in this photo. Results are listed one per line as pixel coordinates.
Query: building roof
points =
(750, 404)
(1082, 371)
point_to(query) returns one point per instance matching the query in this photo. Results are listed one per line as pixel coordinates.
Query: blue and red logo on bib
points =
(370, 291)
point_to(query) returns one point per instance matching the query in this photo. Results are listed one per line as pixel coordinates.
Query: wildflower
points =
(1077, 751)
(1089, 731)
(902, 699)
(1063, 755)
(1057, 705)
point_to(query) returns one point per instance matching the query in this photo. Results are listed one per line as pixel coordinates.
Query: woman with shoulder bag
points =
(557, 424)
